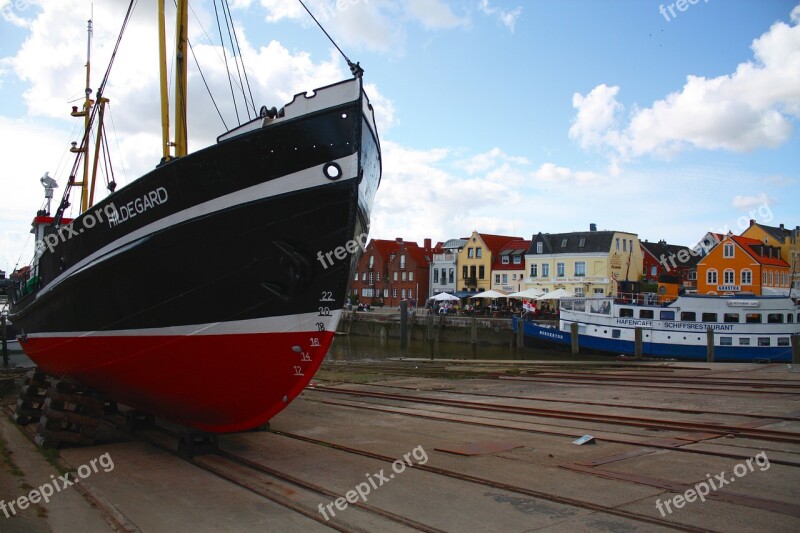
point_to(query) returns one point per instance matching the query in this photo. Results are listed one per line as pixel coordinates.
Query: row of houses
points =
(762, 260)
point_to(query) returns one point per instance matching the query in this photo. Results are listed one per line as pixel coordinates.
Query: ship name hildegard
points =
(139, 205)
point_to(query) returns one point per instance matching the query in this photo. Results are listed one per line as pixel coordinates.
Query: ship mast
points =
(181, 40)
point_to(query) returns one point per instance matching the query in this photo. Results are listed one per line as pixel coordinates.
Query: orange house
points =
(741, 264)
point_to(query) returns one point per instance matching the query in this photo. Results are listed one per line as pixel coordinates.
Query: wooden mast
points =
(162, 62)
(181, 39)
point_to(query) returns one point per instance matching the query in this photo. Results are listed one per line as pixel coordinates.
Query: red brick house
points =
(391, 271)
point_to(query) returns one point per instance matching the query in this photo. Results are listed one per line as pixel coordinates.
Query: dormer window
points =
(582, 242)
(563, 243)
(539, 247)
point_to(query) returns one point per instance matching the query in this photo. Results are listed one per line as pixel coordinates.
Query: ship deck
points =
(490, 447)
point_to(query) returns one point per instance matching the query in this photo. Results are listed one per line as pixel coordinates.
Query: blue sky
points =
(499, 116)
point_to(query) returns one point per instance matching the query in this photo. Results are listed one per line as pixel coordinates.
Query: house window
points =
(436, 275)
(654, 271)
(403, 294)
(394, 293)
(505, 279)
(692, 275)
(411, 276)
(711, 276)
(579, 292)
(545, 270)
(539, 247)
(517, 259)
(371, 261)
(356, 278)
(371, 279)
(402, 261)
(377, 276)
(478, 252)
(464, 272)
(497, 278)
(729, 276)
(747, 277)
(582, 242)
(534, 269)
(504, 260)
(363, 276)
(727, 250)
(598, 291)
(618, 244)
(452, 275)
(403, 276)
(394, 275)
(563, 243)
(624, 245)
(580, 268)
(481, 272)
(560, 269)
(385, 293)
(470, 252)
(770, 279)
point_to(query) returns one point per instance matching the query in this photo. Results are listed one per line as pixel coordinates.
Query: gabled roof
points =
(575, 242)
(496, 242)
(779, 234)
(384, 247)
(517, 247)
(661, 250)
(755, 249)
(417, 253)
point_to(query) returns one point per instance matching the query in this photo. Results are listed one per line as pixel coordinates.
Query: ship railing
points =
(637, 298)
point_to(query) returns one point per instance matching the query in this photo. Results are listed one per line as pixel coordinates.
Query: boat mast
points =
(181, 39)
(85, 113)
(162, 61)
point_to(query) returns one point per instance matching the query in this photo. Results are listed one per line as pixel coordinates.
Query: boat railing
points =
(637, 298)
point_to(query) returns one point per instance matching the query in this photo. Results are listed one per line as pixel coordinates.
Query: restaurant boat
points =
(744, 328)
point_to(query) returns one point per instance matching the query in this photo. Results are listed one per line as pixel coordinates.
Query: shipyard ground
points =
(452, 446)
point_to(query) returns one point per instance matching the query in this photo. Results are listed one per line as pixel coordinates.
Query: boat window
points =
(688, 316)
(763, 341)
(626, 312)
(667, 315)
(775, 318)
(646, 313)
(789, 318)
(784, 341)
(615, 333)
(753, 318)
(732, 317)
(726, 341)
(744, 341)
(709, 317)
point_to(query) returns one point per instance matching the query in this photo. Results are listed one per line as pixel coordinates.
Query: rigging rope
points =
(225, 55)
(355, 68)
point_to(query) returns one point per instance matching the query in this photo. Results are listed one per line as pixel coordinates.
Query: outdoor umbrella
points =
(444, 297)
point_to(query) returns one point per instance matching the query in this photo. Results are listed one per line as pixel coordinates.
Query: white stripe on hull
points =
(276, 324)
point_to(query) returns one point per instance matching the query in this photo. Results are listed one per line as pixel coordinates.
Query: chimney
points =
(593, 227)
(427, 245)
(752, 221)
(398, 239)
(781, 226)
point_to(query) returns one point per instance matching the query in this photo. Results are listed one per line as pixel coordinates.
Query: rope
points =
(355, 68)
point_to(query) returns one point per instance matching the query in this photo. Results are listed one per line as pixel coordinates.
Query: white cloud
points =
(507, 17)
(550, 172)
(750, 109)
(746, 202)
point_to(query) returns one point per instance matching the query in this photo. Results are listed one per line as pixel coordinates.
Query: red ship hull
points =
(217, 383)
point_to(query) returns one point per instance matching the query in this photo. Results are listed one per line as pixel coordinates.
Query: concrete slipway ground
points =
(488, 446)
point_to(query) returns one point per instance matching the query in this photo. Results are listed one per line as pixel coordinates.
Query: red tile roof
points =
(751, 247)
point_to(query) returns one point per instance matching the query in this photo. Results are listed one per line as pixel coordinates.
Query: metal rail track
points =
(755, 433)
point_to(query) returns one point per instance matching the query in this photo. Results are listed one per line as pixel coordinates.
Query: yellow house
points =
(585, 263)
(787, 240)
(474, 261)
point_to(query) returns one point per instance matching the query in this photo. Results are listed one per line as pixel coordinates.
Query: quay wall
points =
(430, 327)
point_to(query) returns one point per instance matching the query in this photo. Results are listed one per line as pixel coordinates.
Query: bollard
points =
(638, 343)
(573, 329)
(520, 333)
(5, 345)
(429, 320)
(473, 331)
(709, 345)
(403, 325)
(796, 349)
